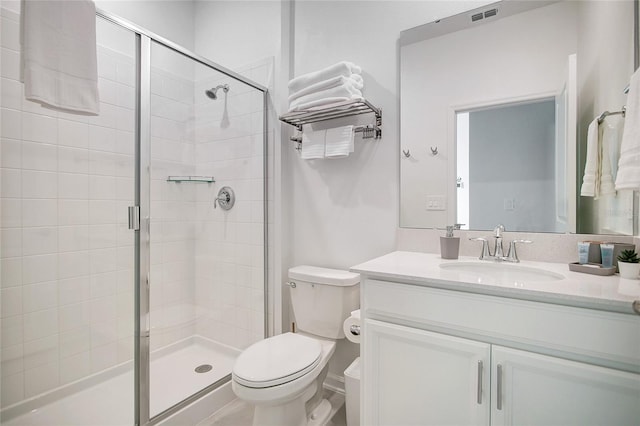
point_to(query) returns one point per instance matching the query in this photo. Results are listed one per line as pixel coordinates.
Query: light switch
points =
(436, 202)
(509, 204)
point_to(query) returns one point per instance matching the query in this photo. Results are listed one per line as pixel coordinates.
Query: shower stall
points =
(134, 243)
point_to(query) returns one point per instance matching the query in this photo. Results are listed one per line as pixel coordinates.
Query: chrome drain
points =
(203, 368)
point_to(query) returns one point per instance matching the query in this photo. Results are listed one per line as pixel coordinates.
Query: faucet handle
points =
(498, 230)
(512, 256)
(485, 247)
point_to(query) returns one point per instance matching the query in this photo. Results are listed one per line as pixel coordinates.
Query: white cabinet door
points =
(416, 377)
(533, 389)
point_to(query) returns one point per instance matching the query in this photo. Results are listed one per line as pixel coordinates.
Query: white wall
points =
(235, 34)
(345, 211)
(171, 19)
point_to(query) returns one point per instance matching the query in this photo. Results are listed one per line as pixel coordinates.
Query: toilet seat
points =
(277, 360)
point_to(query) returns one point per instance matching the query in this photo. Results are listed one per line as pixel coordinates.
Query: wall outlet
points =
(509, 204)
(437, 202)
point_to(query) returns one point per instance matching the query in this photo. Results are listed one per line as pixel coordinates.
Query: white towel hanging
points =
(59, 55)
(628, 175)
(339, 142)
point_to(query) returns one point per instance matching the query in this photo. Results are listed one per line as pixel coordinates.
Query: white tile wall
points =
(229, 249)
(60, 230)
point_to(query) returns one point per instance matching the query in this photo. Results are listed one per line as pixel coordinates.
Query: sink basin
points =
(501, 273)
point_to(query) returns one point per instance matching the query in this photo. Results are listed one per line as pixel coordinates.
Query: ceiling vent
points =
(491, 12)
(476, 17)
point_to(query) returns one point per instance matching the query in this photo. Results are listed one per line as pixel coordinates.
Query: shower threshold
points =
(109, 400)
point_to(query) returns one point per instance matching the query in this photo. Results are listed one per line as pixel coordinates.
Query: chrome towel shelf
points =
(338, 110)
(206, 179)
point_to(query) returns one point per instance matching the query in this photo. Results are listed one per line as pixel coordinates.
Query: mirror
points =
(495, 105)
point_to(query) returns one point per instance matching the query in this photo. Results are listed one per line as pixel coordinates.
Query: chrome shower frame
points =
(144, 39)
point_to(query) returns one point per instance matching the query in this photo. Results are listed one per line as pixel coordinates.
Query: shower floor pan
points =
(110, 401)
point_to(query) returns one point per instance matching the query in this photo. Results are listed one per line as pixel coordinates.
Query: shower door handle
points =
(134, 218)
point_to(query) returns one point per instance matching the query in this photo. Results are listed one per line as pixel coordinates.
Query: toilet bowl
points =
(282, 376)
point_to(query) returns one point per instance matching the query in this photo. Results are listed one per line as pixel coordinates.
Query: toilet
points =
(282, 376)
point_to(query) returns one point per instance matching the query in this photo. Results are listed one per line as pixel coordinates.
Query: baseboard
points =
(334, 383)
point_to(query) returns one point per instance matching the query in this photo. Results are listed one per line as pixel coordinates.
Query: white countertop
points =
(609, 293)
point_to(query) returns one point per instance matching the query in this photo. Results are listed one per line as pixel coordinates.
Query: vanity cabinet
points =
(433, 356)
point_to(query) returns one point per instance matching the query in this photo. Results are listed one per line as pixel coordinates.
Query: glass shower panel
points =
(206, 285)
(67, 255)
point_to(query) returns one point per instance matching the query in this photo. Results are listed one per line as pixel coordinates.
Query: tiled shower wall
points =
(67, 255)
(229, 249)
(172, 288)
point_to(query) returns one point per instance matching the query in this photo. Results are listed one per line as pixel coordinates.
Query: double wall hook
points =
(434, 151)
(406, 153)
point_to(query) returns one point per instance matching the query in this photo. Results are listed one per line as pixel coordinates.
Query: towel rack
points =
(605, 114)
(338, 110)
(207, 179)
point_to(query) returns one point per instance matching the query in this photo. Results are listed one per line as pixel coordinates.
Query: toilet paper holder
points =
(355, 329)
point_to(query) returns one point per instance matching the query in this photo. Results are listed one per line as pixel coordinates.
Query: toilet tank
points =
(323, 298)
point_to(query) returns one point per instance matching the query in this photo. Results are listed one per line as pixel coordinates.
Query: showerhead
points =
(212, 93)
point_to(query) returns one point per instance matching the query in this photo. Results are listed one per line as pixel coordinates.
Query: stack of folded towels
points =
(336, 83)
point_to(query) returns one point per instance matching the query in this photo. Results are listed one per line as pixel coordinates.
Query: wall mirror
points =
(495, 104)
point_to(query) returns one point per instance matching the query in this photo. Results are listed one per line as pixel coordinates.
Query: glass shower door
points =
(67, 255)
(206, 292)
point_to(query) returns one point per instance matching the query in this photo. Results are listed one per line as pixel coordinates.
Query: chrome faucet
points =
(498, 251)
(497, 234)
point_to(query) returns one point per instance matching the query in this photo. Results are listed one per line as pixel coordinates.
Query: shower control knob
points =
(226, 198)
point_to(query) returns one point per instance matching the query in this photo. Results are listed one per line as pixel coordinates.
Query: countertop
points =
(608, 293)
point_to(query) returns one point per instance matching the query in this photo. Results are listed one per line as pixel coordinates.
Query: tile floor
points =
(240, 413)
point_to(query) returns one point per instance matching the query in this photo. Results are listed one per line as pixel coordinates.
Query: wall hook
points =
(434, 151)
(406, 153)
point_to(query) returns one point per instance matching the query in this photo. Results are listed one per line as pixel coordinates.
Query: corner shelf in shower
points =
(206, 179)
(338, 110)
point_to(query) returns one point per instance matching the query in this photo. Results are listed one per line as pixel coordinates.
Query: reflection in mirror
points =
(514, 149)
(526, 173)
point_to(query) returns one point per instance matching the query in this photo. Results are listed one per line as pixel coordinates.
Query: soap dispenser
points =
(450, 245)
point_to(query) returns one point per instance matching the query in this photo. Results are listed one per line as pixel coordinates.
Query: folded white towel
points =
(341, 68)
(59, 54)
(339, 142)
(592, 164)
(628, 176)
(355, 80)
(313, 143)
(346, 91)
(324, 102)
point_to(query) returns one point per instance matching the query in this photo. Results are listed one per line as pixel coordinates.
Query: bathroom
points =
(328, 213)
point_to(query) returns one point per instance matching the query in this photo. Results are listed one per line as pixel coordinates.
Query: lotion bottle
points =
(449, 244)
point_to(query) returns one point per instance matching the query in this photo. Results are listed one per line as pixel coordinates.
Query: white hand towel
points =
(355, 80)
(345, 91)
(591, 165)
(628, 176)
(313, 143)
(339, 142)
(59, 54)
(341, 68)
(609, 143)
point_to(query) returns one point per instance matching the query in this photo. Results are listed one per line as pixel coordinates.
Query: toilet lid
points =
(277, 360)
